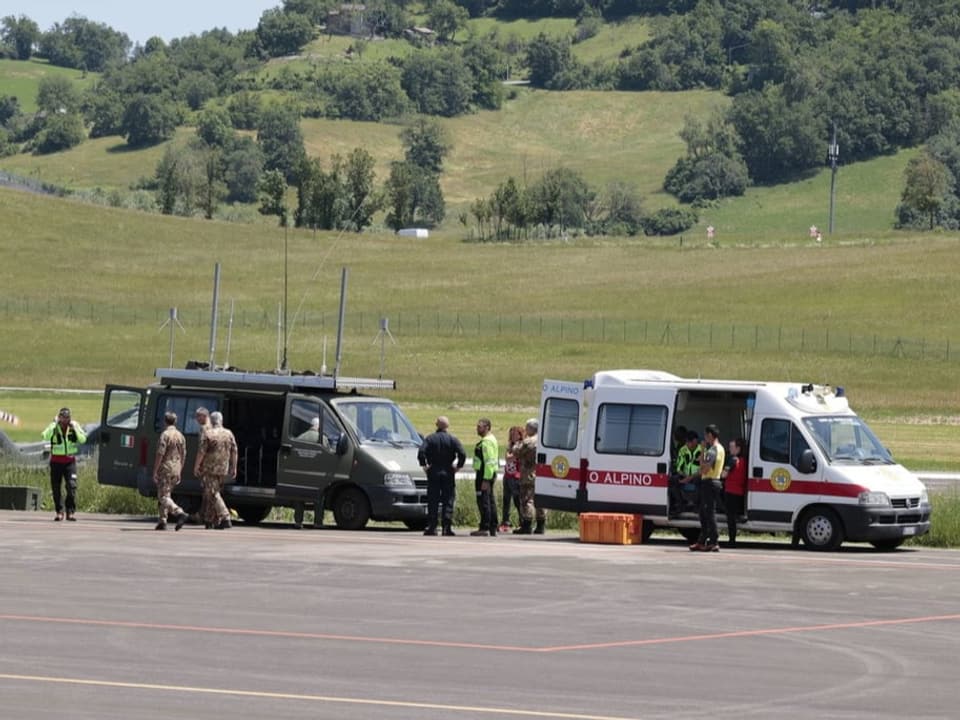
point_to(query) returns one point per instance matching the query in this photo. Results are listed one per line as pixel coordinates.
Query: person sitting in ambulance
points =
(683, 482)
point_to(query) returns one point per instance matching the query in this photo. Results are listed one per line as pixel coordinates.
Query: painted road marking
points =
(513, 712)
(501, 648)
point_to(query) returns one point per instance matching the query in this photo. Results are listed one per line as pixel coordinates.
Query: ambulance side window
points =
(781, 442)
(561, 419)
(185, 406)
(631, 429)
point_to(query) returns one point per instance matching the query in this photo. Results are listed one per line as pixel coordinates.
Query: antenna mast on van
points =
(213, 314)
(344, 273)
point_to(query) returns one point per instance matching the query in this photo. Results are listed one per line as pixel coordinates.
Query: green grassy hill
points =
(21, 79)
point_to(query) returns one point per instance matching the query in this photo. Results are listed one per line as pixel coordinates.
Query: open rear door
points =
(122, 444)
(558, 454)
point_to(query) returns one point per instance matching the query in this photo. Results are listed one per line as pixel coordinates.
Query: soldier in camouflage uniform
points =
(167, 468)
(202, 416)
(216, 461)
(527, 458)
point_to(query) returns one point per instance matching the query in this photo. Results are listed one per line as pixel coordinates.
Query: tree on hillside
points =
(548, 58)
(149, 119)
(321, 196)
(21, 33)
(315, 10)
(214, 127)
(243, 166)
(446, 18)
(779, 139)
(926, 184)
(560, 198)
(103, 109)
(283, 33)
(61, 131)
(438, 81)
(244, 109)
(181, 181)
(57, 94)
(413, 197)
(359, 179)
(83, 44)
(425, 144)
(281, 140)
(273, 190)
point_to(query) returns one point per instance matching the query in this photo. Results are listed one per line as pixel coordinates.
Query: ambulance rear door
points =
(627, 466)
(558, 484)
(121, 438)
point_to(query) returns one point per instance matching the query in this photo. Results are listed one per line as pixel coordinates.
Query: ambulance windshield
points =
(847, 440)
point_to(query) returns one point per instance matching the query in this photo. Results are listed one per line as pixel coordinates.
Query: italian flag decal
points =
(126, 441)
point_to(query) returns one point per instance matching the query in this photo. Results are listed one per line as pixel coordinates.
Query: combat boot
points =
(224, 524)
(526, 527)
(181, 520)
(541, 527)
(161, 525)
(448, 531)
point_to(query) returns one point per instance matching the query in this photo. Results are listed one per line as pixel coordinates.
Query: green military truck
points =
(304, 441)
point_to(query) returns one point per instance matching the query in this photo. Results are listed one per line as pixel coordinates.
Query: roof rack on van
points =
(267, 381)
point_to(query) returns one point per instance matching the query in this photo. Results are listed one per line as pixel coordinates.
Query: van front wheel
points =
(351, 511)
(821, 529)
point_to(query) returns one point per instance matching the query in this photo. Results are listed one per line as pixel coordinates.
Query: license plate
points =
(909, 531)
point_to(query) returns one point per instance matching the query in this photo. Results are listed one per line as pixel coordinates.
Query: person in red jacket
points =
(735, 488)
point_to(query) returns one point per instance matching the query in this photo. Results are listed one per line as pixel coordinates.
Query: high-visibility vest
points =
(64, 443)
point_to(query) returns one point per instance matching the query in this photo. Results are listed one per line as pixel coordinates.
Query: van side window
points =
(561, 420)
(311, 421)
(185, 406)
(781, 442)
(123, 409)
(631, 429)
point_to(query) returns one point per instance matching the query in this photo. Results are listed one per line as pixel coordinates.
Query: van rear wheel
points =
(821, 529)
(351, 511)
(252, 514)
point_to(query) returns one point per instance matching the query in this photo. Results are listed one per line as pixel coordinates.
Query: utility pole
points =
(833, 156)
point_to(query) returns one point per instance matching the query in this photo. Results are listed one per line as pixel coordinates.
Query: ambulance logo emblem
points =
(780, 479)
(560, 466)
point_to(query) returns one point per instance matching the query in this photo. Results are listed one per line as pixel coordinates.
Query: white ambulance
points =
(814, 468)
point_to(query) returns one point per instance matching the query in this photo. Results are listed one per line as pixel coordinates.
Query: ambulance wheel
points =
(691, 535)
(821, 529)
(646, 530)
(351, 511)
(252, 514)
(888, 544)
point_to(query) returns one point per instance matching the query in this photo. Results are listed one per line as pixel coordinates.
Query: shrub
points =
(669, 221)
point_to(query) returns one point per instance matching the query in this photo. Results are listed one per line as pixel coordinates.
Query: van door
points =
(558, 484)
(777, 488)
(120, 438)
(628, 458)
(314, 452)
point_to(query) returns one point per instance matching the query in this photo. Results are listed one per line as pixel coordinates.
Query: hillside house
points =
(348, 19)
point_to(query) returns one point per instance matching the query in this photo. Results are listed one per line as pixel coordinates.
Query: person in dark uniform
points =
(441, 455)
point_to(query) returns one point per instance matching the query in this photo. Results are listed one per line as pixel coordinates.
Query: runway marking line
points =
(265, 695)
(480, 646)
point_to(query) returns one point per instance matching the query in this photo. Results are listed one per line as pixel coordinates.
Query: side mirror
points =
(342, 444)
(807, 463)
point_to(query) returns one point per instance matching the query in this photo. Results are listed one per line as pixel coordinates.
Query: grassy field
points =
(70, 322)
(21, 79)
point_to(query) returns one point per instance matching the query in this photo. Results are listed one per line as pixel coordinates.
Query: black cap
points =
(64, 412)
(692, 435)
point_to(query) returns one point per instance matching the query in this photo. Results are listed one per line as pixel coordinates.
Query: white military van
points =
(304, 441)
(814, 468)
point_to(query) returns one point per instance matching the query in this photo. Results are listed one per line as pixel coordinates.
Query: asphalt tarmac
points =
(106, 618)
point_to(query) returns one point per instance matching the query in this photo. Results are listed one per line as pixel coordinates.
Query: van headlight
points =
(395, 479)
(877, 499)
(924, 498)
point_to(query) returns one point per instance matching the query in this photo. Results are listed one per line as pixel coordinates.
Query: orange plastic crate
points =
(611, 528)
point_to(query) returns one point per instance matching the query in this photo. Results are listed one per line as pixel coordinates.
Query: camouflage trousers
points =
(215, 509)
(527, 490)
(166, 507)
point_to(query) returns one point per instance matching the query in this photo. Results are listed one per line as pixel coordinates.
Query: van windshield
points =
(847, 440)
(378, 421)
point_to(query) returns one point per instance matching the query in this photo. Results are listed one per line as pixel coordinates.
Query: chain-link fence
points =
(634, 331)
